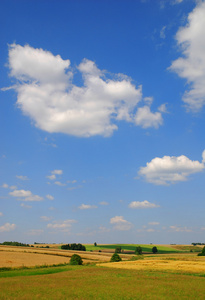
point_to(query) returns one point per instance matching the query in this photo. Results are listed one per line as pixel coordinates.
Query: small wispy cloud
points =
(120, 223)
(104, 203)
(53, 174)
(180, 229)
(45, 218)
(26, 206)
(21, 177)
(25, 195)
(142, 204)
(64, 226)
(59, 183)
(49, 197)
(153, 223)
(87, 206)
(5, 186)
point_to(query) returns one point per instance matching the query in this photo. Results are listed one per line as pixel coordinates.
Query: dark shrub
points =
(202, 253)
(138, 250)
(76, 260)
(118, 250)
(115, 257)
(154, 249)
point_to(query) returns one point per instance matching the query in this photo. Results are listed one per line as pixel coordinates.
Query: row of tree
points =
(15, 244)
(78, 247)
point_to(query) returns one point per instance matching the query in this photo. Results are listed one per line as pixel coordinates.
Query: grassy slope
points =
(90, 282)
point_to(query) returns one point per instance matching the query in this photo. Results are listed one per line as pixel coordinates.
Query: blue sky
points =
(102, 121)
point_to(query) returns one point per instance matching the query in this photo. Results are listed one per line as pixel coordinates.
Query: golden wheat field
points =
(11, 256)
(190, 265)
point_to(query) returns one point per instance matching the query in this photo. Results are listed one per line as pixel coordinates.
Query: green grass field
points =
(91, 282)
(132, 247)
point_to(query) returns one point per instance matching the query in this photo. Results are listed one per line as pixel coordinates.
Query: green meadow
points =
(92, 282)
(145, 248)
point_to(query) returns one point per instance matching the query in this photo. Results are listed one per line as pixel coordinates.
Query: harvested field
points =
(183, 265)
(11, 256)
(19, 259)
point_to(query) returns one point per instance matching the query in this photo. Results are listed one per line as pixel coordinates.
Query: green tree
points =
(76, 260)
(138, 250)
(202, 253)
(118, 250)
(115, 257)
(95, 244)
(154, 250)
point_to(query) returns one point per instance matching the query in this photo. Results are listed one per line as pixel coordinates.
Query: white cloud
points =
(7, 227)
(20, 193)
(5, 186)
(87, 206)
(104, 203)
(60, 183)
(180, 229)
(57, 172)
(25, 205)
(33, 198)
(51, 177)
(162, 32)
(21, 177)
(44, 218)
(176, 2)
(27, 195)
(145, 118)
(142, 204)
(153, 223)
(62, 226)
(54, 173)
(120, 223)
(49, 197)
(202, 228)
(170, 169)
(13, 187)
(1, 214)
(191, 65)
(48, 96)
(103, 229)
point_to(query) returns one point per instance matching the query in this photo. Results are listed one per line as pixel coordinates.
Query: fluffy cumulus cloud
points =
(25, 195)
(7, 227)
(47, 94)
(87, 206)
(170, 169)
(191, 65)
(120, 223)
(142, 204)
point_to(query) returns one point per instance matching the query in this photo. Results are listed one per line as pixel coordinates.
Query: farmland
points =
(176, 274)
